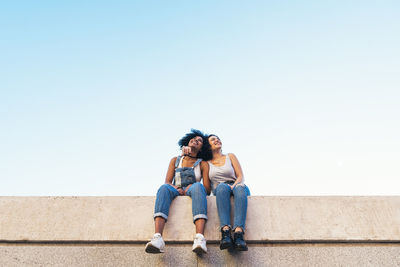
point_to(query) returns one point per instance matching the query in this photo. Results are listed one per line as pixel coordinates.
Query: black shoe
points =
(226, 240)
(240, 244)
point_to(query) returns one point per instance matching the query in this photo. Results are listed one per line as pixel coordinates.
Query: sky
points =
(94, 95)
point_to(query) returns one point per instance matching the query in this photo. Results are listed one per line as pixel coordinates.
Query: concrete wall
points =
(181, 255)
(281, 231)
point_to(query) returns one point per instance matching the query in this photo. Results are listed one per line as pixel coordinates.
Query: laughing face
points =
(215, 142)
(196, 143)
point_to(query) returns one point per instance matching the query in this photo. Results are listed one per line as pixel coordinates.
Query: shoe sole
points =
(152, 249)
(198, 250)
(242, 248)
(226, 246)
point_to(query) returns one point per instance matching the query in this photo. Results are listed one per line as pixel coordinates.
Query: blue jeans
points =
(166, 193)
(223, 194)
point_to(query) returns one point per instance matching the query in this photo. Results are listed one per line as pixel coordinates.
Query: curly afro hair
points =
(205, 151)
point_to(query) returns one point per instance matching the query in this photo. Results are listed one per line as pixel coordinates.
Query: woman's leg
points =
(199, 210)
(159, 223)
(199, 205)
(240, 193)
(165, 194)
(223, 196)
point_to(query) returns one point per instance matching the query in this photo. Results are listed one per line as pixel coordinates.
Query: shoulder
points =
(204, 167)
(231, 156)
(173, 160)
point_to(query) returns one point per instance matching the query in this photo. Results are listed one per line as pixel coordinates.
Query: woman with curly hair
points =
(183, 179)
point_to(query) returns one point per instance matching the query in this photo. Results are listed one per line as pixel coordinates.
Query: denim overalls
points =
(184, 176)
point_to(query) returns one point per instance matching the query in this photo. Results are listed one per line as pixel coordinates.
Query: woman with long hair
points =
(227, 180)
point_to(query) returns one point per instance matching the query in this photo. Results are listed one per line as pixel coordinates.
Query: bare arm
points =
(170, 175)
(171, 171)
(237, 168)
(206, 179)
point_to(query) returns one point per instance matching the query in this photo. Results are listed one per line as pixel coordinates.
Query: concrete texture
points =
(181, 255)
(130, 219)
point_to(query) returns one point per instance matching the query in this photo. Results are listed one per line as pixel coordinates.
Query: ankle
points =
(238, 229)
(225, 228)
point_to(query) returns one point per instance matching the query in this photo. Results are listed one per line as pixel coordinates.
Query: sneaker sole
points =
(152, 249)
(198, 250)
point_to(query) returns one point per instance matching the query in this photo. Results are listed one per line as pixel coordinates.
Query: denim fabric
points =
(199, 201)
(167, 193)
(184, 176)
(223, 194)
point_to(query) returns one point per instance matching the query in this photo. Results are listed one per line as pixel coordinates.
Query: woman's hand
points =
(232, 186)
(180, 190)
(187, 188)
(186, 150)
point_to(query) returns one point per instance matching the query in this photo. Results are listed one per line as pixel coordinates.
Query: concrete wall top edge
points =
(269, 218)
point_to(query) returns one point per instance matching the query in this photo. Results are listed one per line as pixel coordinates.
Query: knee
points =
(222, 188)
(197, 188)
(240, 191)
(163, 189)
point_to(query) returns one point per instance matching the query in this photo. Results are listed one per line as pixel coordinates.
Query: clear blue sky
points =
(94, 95)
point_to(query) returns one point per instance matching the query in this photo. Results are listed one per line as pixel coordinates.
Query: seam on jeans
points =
(160, 214)
(200, 216)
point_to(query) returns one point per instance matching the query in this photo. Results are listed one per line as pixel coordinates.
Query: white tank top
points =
(222, 174)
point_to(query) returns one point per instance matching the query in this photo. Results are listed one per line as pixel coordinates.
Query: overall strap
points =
(197, 162)
(178, 159)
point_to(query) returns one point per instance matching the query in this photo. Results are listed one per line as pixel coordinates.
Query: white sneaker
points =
(199, 244)
(156, 245)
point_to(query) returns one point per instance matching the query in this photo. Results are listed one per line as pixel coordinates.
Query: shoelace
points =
(155, 238)
(199, 238)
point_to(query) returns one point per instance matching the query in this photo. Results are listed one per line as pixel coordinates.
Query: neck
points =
(217, 153)
(193, 153)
